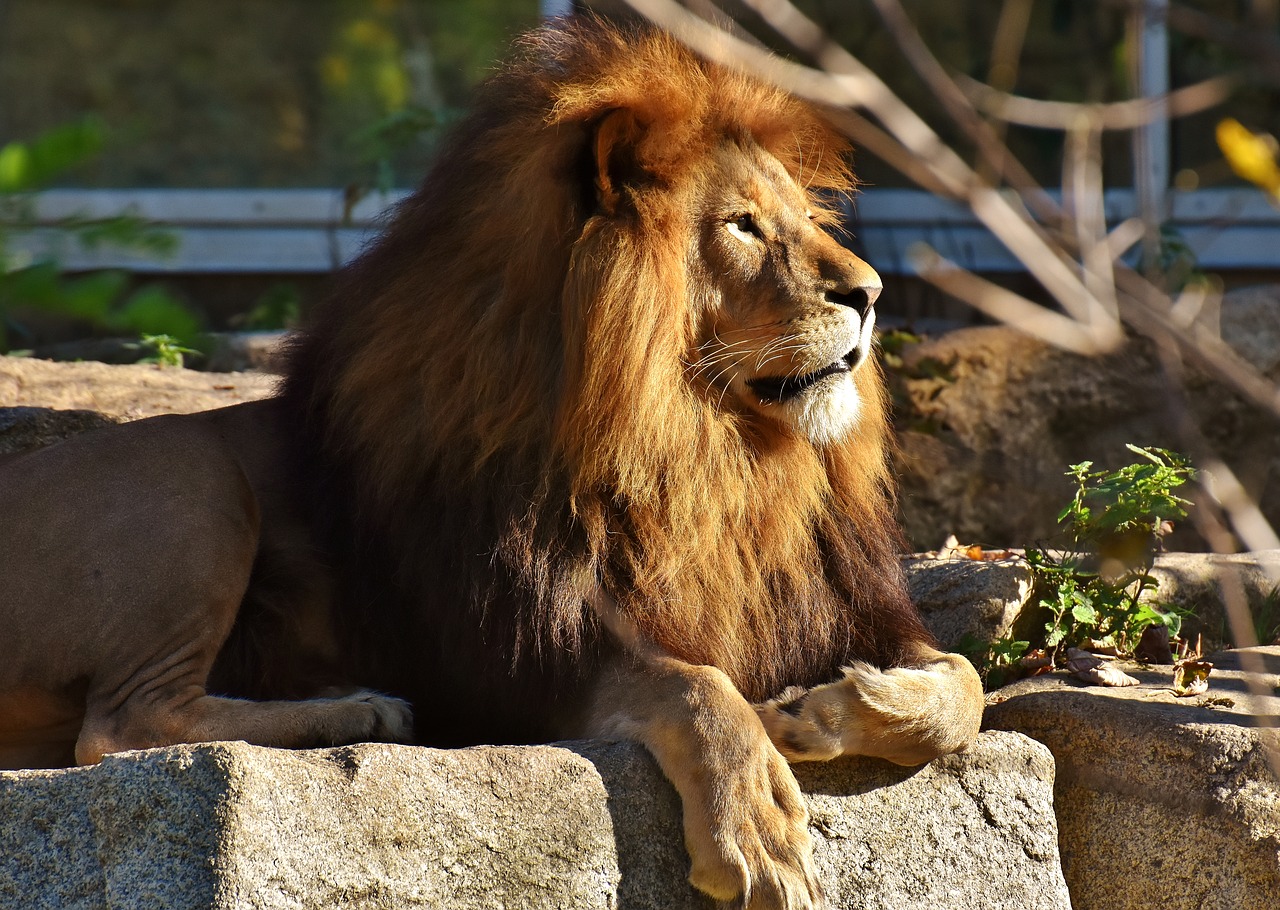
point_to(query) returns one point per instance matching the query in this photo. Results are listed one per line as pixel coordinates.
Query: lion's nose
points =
(860, 298)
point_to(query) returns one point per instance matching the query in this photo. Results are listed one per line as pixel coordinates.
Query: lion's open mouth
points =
(780, 388)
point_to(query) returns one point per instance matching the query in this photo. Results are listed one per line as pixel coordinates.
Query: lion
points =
(591, 443)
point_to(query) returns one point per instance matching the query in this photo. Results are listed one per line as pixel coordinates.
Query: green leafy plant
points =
(32, 283)
(1266, 618)
(279, 307)
(168, 351)
(1097, 587)
(1097, 590)
(381, 141)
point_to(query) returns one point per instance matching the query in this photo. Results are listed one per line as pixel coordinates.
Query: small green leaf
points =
(1084, 614)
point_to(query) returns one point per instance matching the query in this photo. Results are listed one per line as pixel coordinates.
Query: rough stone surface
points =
(989, 419)
(22, 429)
(125, 392)
(1162, 802)
(578, 825)
(1249, 321)
(1196, 581)
(962, 598)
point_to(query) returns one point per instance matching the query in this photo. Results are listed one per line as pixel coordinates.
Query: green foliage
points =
(1136, 498)
(892, 344)
(168, 351)
(32, 285)
(1097, 590)
(278, 308)
(26, 166)
(1114, 523)
(1176, 265)
(382, 141)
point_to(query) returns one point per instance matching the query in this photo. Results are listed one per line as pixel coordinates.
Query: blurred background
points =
(181, 97)
(1087, 171)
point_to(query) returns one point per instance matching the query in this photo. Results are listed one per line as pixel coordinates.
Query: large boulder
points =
(982, 600)
(969, 600)
(22, 429)
(577, 825)
(1249, 321)
(989, 420)
(1202, 583)
(1163, 802)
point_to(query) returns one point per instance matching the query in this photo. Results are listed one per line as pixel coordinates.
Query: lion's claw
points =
(757, 853)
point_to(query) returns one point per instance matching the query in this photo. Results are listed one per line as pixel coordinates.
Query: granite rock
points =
(1162, 802)
(581, 825)
(966, 598)
(989, 420)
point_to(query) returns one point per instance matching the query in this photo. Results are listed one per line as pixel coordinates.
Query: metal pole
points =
(1149, 44)
(552, 8)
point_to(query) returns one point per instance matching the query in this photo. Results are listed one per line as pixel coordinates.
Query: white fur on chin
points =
(827, 412)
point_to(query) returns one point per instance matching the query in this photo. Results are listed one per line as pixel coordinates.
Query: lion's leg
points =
(909, 714)
(124, 587)
(194, 717)
(157, 695)
(745, 821)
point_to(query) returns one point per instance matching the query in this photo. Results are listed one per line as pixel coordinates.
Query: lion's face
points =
(787, 313)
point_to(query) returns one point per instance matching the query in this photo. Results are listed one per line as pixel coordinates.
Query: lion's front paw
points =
(390, 719)
(803, 730)
(750, 846)
(909, 715)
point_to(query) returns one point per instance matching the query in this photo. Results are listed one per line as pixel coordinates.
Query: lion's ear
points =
(617, 136)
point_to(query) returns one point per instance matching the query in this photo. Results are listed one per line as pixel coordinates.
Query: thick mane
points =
(500, 389)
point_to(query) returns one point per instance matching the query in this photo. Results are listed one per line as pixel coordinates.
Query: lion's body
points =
(468, 407)
(593, 418)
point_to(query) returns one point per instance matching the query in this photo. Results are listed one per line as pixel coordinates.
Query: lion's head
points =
(612, 328)
(785, 313)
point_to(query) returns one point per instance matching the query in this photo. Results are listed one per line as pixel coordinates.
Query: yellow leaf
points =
(1250, 155)
(15, 167)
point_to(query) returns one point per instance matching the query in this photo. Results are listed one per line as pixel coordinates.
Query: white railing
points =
(307, 231)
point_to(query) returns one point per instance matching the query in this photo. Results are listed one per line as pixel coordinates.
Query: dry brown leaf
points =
(1191, 677)
(1153, 646)
(1187, 651)
(1097, 672)
(1034, 663)
(952, 549)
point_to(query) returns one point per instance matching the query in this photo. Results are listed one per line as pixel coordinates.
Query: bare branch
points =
(852, 84)
(990, 146)
(1004, 305)
(1117, 115)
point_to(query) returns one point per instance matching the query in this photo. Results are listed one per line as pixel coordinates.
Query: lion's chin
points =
(824, 413)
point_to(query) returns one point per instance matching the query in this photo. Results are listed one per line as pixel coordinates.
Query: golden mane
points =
(518, 353)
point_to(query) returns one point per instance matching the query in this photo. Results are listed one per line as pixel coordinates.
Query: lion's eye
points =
(744, 228)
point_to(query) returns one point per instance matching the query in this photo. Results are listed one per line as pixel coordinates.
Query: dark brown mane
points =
(498, 389)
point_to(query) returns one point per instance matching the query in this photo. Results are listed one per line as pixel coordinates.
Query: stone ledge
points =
(1162, 802)
(576, 825)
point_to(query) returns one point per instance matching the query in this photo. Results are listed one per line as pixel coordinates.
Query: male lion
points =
(589, 444)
